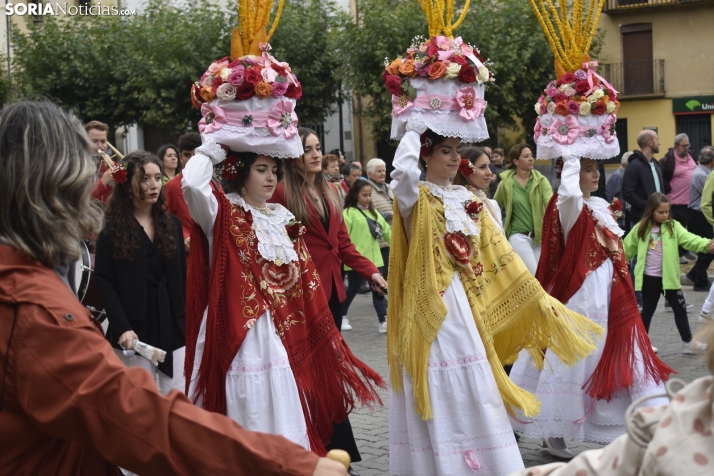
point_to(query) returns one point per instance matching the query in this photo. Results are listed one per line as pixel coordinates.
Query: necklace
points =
(264, 210)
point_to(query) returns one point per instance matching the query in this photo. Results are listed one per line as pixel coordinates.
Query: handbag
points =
(374, 227)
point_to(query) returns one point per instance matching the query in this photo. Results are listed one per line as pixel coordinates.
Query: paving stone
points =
(372, 426)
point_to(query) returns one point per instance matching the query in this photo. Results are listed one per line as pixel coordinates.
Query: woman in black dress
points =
(141, 271)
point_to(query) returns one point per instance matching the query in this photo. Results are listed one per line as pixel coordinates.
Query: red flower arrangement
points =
(466, 168)
(119, 174)
(616, 207)
(459, 247)
(473, 210)
(295, 230)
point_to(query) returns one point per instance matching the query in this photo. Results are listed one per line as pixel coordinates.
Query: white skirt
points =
(566, 409)
(470, 427)
(261, 393)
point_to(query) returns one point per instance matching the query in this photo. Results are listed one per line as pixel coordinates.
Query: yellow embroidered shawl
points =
(510, 308)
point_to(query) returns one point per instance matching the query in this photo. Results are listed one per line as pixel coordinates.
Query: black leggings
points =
(651, 289)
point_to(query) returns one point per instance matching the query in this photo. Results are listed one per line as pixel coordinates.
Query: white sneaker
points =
(704, 318)
(346, 324)
(655, 349)
(383, 327)
(693, 347)
(557, 447)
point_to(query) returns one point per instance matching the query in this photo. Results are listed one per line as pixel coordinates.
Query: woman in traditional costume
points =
(475, 174)
(583, 265)
(464, 302)
(262, 346)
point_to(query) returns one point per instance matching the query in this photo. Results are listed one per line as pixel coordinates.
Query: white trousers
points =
(525, 248)
(709, 302)
(165, 383)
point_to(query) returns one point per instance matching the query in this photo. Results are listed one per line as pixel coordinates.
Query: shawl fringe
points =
(562, 269)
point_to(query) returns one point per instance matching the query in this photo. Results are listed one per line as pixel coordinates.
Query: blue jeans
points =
(355, 281)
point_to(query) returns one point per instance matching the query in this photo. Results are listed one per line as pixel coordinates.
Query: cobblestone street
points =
(372, 427)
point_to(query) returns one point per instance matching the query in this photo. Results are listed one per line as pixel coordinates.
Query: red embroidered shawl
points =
(241, 285)
(561, 271)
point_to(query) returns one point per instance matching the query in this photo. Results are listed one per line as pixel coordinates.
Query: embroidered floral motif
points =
(249, 324)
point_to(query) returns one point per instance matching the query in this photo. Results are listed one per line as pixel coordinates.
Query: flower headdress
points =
(248, 100)
(466, 168)
(440, 81)
(577, 110)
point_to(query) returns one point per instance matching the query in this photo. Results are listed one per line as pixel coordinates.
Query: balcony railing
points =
(637, 78)
(625, 5)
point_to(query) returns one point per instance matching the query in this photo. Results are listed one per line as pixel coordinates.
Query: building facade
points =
(657, 54)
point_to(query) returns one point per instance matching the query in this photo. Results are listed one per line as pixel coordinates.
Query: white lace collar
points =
(273, 241)
(454, 197)
(602, 213)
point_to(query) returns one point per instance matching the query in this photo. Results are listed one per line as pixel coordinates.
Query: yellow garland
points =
(573, 38)
(254, 17)
(440, 16)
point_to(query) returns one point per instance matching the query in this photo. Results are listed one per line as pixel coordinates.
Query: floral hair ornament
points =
(441, 80)
(426, 144)
(616, 207)
(577, 109)
(466, 168)
(248, 100)
(231, 166)
(119, 174)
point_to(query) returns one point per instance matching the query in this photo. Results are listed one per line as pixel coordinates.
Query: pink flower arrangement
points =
(237, 80)
(438, 58)
(577, 94)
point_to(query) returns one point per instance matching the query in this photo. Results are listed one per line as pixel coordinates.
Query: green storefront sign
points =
(693, 105)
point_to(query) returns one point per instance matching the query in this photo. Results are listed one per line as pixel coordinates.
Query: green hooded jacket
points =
(540, 195)
(670, 252)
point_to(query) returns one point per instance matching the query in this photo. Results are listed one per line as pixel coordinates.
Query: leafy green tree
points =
(140, 69)
(123, 71)
(506, 33)
(307, 38)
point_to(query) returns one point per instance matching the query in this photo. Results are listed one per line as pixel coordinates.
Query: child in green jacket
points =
(655, 241)
(366, 226)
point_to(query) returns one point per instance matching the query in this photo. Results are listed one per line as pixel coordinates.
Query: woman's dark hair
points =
(435, 141)
(351, 199)
(162, 152)
(337, 152)
(653, 203)
(246, 161)
(515, 153)
(120, 212)
(470, 153)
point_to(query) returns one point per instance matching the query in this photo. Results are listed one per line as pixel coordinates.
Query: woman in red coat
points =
(310, 197)
(314, 202)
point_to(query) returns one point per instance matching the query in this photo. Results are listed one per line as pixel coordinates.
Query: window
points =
(637, 59)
